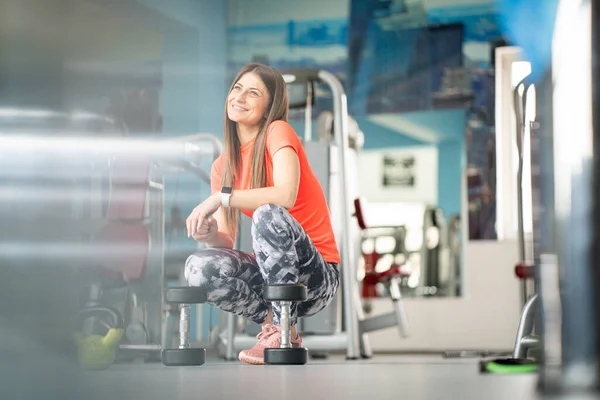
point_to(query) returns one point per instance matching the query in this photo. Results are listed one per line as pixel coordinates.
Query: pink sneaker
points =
(268, 338)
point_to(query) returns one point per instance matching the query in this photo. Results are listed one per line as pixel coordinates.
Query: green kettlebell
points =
(97, 352)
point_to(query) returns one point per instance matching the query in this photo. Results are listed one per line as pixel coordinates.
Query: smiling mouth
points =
(238, 108)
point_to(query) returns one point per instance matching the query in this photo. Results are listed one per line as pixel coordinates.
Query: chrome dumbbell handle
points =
(285, 323)
(184, 326)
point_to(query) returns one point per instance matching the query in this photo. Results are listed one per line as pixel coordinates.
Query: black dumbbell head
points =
(291, 356)
(183, 357)
(185, 295)
(285, 292)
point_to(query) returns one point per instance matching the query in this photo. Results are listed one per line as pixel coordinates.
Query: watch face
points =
(227, 190)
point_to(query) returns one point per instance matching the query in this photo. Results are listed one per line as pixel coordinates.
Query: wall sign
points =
(398, 171)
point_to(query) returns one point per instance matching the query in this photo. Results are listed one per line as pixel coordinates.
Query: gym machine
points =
(525, 270)
(390, 280)
(436, 273)
(526, 339)
(331, 163)
(566, 255)
(124, 271)
(440, 259)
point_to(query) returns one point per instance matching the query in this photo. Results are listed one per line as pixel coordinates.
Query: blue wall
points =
(449, 126)
(194, 82)
(194, 64)
(181, 80)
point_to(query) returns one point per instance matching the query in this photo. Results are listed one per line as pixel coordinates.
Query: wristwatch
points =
(226, 195)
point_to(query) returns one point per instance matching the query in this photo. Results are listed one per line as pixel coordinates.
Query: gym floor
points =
(31, 369)
(383, 377)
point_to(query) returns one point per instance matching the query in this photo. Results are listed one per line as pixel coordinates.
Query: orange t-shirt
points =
(311, 209)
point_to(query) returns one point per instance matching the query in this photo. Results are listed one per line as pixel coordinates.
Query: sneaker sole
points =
(251, 360)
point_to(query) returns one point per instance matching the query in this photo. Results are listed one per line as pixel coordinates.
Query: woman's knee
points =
(201, 267)
(208, 265)
(269, 213)
(272, 222)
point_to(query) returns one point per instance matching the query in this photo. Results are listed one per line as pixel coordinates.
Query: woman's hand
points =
(207, 231)
(200, 214)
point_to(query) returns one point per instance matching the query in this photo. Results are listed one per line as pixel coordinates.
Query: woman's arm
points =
(286, 179)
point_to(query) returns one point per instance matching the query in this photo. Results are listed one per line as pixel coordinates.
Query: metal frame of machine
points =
(147, 317)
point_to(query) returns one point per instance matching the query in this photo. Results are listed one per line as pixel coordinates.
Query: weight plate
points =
(183, 357)
(285, 292)
(291, 356)
(185, 295)
(509, 366)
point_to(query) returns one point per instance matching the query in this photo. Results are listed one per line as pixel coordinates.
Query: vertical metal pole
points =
(526, 323)
(160, 326)
(340, 111)
(595, 254)
(568, 316)
(424, 252)
(308, 113)
(398, 303)
(519, 96)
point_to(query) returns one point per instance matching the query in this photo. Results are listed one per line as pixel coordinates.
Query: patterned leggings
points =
(234, 280)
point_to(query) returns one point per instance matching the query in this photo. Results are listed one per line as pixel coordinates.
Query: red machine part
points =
(129, 188)
(125, 248)
(125, 240)
(525, 271)
(358, 213)
(372, 278)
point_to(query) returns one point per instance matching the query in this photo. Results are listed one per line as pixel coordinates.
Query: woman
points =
(264, 173)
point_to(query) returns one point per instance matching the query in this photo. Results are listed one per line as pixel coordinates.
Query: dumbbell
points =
(285, 294)
(185, 355)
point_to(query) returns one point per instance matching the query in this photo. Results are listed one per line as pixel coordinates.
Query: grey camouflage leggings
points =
(283, 254)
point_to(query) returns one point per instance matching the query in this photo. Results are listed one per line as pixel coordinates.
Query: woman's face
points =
(248, 100)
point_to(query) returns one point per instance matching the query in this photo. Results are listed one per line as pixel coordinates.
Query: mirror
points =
(419, 80)
(413, 189)
(408, 193)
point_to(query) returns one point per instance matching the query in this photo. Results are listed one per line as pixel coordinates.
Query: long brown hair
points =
(276, 110)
